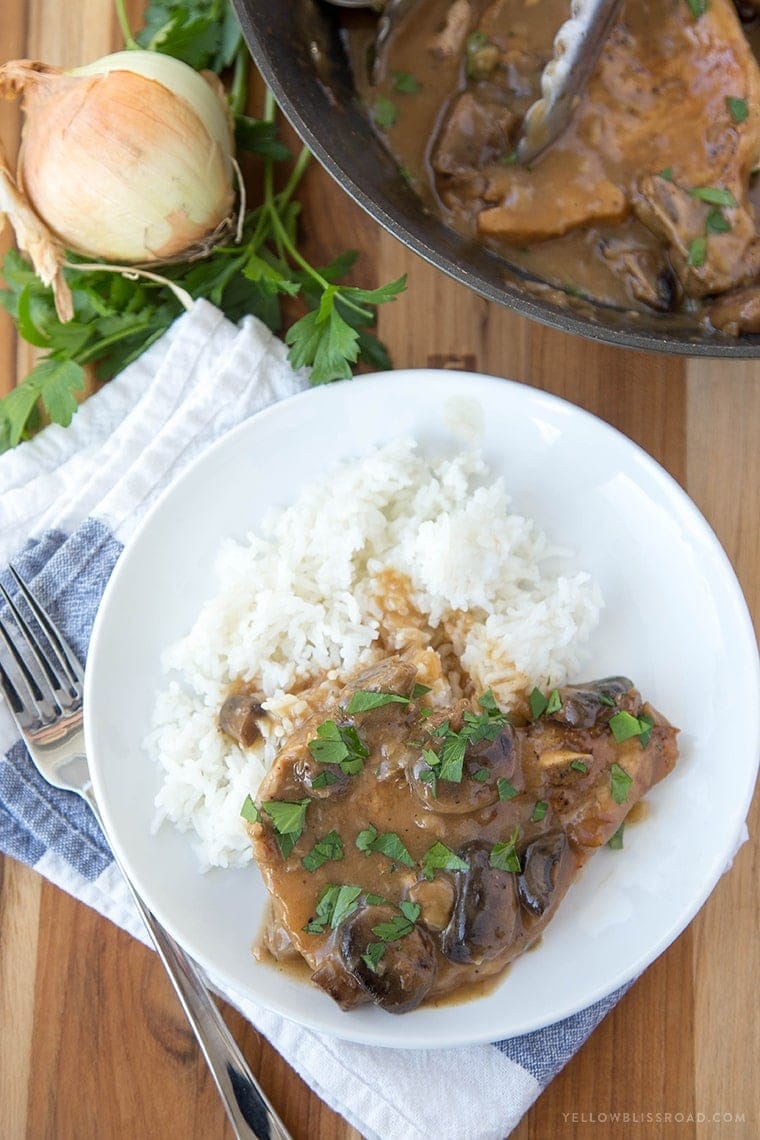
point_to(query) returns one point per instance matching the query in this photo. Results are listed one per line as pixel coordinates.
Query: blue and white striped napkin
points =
(69, 501)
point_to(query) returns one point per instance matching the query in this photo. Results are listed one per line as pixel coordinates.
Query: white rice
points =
(390, 552)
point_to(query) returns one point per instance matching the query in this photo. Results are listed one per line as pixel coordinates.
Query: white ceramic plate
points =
(675, 621)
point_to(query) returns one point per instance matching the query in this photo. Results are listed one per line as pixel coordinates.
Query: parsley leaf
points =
(333, 905)
(288, 820)
(715, 195)
(324, 850)
(339, 744)
(405, 83)
(506, 790)
(504, 857)
(624, 725)
(620, 783)
(737, 108)
(249, 811)
(616, 841)
(364, 701)
(387, 843)
(539, 811)
(439, 857)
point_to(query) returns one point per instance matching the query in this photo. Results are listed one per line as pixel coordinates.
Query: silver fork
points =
(43, 686)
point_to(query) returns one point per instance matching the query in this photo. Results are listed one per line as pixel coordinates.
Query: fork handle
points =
(250, 1113)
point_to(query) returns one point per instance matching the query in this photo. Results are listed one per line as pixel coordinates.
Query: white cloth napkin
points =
(69, 500)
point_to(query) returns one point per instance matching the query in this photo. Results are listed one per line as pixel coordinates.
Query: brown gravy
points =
(576, 222)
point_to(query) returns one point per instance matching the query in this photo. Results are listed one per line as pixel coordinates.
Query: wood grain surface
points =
(92, 1041)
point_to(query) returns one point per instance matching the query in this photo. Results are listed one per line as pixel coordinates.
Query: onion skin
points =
(117, 165)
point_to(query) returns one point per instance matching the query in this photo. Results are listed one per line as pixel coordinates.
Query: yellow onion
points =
(128, 159)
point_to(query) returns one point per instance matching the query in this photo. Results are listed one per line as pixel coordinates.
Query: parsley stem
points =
(238, 95)
(129, 41)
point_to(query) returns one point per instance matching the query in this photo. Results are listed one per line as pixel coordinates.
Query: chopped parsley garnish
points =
(288, 820)
(333, 905)
(439, 857)
(339, 744)
(578, 766)
(476, 727)
(249, 811)
(539, 811)
(716, 222)
(697, 252)
(606, 699)
(504, 857)
(715, 195)
(510, 160)
(480, 775)
(324, 850)
(698, 7)
(737, 108)
(667, 173)
(616, 840)
(624, 725)
(620, 783)
(506, 790)
(364, 701)
(398, 927)
(384, 112)
(540, 705)
(374, 953)
(370, 841)
(324, 780)
(405, 83)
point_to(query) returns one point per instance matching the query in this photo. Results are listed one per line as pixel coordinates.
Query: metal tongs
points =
(577, 47)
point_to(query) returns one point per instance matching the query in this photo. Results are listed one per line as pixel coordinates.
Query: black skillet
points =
(297, 46)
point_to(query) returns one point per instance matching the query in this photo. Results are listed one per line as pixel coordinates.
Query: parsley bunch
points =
(116, 318)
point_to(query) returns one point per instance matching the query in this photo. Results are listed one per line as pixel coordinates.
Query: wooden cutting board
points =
(92, 1041)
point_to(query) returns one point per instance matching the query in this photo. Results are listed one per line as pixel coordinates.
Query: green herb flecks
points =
(339, 744)
(371, 841)
(249, 811)
(363, 700)
(615, 842)
(541, 705)
(398, 927)
(476, 727)
(667, 173)
(697, 252)
(738, 109)
(325, 850)
(579, 766)
(506, 790)
(288, 820)
(504, 857)
(698, 7)
(624, 726)
(405, 83)
(384, 112)
(439, 857)
(714, 195)
(620, 783)
(717, 223)
(333, 905)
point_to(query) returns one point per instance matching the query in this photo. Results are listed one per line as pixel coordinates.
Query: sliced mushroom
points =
(486, 916)
(485, 763)
(542, 865)
(594, 702)
(320, 781)
(239, 718)
(404, 972)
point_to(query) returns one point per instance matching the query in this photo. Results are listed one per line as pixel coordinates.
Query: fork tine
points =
(66, 656)
(10, 692)
(44, 685)
(15, 698)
